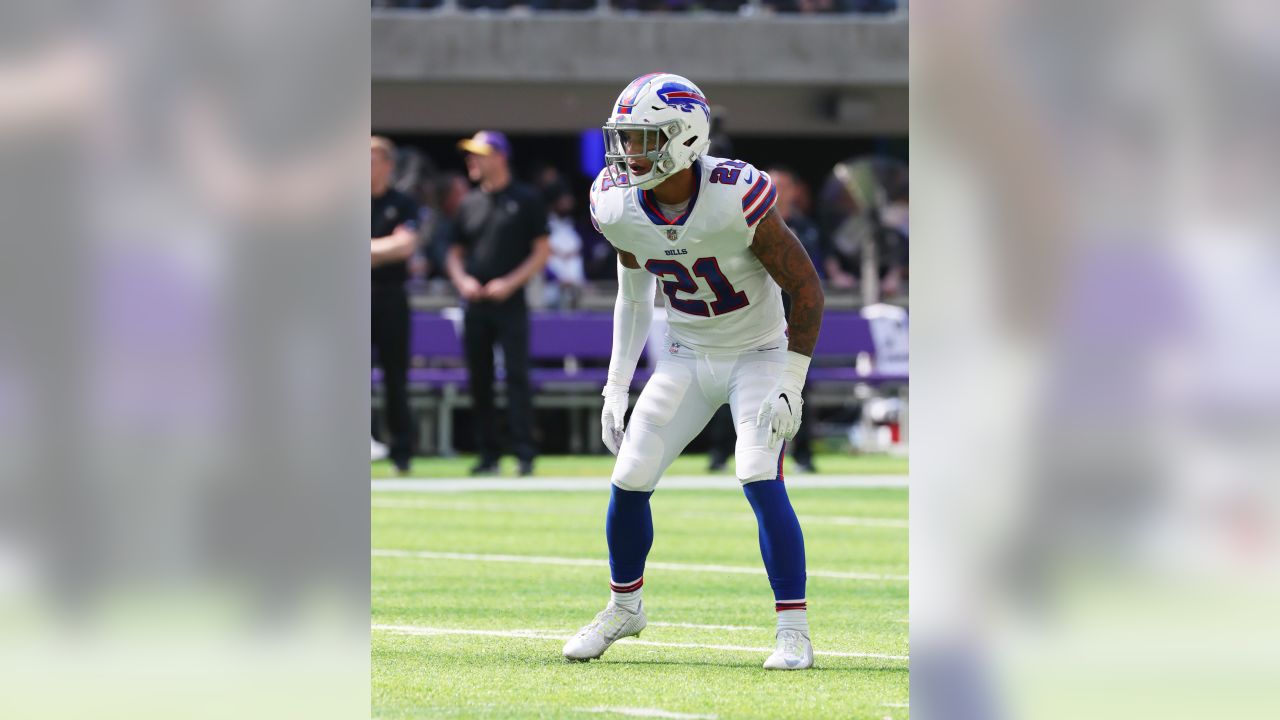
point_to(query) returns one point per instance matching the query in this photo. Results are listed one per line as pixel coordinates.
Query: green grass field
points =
(602, 465)
(479, 635)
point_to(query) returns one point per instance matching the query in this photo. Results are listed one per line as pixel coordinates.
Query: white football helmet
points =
(659, 105)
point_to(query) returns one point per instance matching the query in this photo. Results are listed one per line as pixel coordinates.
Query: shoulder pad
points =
(606, 201)
(753, 189)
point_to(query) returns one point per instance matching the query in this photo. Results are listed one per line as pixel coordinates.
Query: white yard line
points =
(648, 712)
(527, 559)
(896, 523)
(696, 626)
(740, 648)
(419, 630)
(526, 510)
(675, 482)
(529, 635)
(482, 507)
(592, 562)
(860, 521)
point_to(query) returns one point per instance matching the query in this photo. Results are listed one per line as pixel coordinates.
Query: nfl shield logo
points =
(672, 234)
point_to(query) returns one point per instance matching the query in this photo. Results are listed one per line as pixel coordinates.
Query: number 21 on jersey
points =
(708, 268)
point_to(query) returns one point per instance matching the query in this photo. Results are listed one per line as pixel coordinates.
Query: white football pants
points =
(686, 389)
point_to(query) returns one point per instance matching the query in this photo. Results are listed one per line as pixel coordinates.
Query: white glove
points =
(613, 418)
(781, 407)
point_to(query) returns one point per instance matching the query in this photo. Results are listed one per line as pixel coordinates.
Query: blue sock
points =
(629, 530)
(781, 542)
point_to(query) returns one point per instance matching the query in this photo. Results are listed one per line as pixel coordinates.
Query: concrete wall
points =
(454, 72)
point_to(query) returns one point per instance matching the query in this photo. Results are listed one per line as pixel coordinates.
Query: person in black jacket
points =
(500, 242)
(393, 240)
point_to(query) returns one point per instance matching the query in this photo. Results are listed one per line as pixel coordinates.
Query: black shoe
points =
(526, 468)
(484, 467)
(402, 467)
(717, 462)
(806, 465)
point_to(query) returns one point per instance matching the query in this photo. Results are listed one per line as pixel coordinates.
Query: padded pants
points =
(686, 389)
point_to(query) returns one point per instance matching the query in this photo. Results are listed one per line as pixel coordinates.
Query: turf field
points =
(602, 465)
(473, 594)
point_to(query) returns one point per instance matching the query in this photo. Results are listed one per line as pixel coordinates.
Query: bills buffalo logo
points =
(683, 97)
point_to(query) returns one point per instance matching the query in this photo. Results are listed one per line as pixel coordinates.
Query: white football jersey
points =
(719, 297)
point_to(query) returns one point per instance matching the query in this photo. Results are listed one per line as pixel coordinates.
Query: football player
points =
(702, 229)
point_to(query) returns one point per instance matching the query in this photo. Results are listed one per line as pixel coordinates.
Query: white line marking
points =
(677, 482)
(483, 507)
(419, 630)
(592, 562)
(696, 626)
(862, 521)
(806, 519)
(740, 648)
(531, 559)
(649, 712)
(526, 510)
(529, 635)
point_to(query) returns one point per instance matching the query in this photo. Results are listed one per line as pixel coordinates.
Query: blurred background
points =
(1094, 496)
(813, 92)
(183, 377)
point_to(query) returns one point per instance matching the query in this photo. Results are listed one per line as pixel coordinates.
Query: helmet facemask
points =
(653, 145)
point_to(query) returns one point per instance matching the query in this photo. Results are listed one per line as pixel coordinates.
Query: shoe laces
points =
(608, 622)
(792, 642)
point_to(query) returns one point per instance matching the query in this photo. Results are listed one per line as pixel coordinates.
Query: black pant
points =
(485, 325)
(389, 331)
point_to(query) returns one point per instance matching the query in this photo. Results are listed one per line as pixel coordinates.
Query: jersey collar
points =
(649, 204)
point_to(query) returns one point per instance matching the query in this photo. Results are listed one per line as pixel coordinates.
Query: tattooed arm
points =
(785, 259)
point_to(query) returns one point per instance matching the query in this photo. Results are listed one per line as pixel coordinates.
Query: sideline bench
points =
(569, 356)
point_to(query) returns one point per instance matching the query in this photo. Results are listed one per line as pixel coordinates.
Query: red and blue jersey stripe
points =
(759, 199)
(761, 183)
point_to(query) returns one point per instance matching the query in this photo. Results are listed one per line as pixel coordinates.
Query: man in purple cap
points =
(500, 242)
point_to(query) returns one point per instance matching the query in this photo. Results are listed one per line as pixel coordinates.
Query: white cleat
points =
(794, 652)
(377, 451)
(612, 624)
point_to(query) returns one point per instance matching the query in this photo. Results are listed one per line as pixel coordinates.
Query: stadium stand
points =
(805, 7)
(442, 68)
